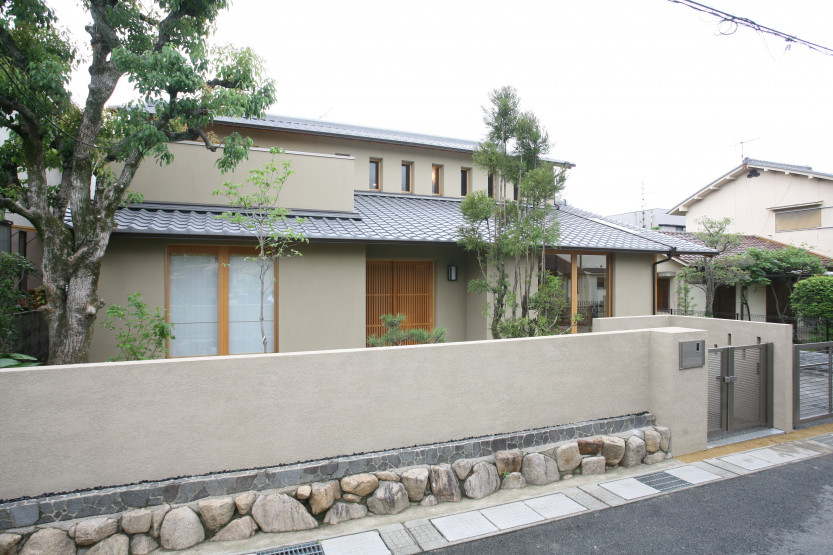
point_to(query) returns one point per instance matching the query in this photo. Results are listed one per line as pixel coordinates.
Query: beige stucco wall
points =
(129, 266)
(632, 279)
(321, 298)
(321, 295)
(392, 157)
(320, 182)
(721, 333)
(68, 427)
(747, 202)
(450, 297)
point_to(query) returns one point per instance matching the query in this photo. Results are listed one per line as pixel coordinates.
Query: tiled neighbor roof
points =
(746, 242)
(393, 218)
(346, 130)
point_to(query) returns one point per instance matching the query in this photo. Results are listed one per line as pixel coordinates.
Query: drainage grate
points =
(662, 481)
(312, 548)
(827, 440)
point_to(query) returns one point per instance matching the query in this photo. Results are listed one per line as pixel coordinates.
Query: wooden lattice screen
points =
(395, 286)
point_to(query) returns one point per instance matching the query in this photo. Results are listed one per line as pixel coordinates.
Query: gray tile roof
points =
(333, 129)
(392, 218)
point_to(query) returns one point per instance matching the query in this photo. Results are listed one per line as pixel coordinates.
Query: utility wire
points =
(736, 22)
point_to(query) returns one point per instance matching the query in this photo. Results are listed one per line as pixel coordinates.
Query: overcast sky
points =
(640, 92)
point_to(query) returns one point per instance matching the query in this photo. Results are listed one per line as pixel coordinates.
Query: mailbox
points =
(692, 354)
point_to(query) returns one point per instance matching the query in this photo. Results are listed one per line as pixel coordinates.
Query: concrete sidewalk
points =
(422, 529)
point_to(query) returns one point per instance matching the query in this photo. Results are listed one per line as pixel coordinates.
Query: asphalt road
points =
(786, 510)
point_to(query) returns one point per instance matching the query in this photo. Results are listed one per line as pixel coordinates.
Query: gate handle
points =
(730, 379)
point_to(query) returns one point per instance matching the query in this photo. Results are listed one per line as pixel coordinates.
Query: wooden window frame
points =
(378, 162)
(222, 252)
(410, 174)
(574, 279)
(437, 170)
(467, 173)
(395, 293)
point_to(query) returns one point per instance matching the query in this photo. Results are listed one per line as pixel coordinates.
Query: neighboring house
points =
(761, 300)
(786, 203)
(381, 212)
(655, 218)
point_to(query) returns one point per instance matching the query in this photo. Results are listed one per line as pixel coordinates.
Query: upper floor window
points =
(465, 178)
(491, 186)
(375, 175)
(798, 219)
(407, 174)
(436, 180)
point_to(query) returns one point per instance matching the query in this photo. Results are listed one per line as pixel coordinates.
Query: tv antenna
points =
(741, 146)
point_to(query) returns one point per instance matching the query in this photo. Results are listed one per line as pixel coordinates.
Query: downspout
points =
(670, 254)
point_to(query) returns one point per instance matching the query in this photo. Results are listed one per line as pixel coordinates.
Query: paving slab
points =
(693, 474)
(555, 506)
(463, 526)
(722, 472)
(605, 496)
(585, 499)
(425, 534)
(366, 543)
(511, 515)
(779, 455)
(747, 461)
(629, 488)
(398, 540)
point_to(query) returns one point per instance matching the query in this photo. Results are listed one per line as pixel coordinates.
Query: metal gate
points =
(739, 384)
(812, 382)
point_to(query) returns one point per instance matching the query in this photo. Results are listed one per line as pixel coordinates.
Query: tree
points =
(12, 268)
(710, 272)
(181, 85)
(785, 266)
(813, 297)
(258, 212)
(394, 334)
(509, 236)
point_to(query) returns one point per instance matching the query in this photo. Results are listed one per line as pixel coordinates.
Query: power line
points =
(736, 21)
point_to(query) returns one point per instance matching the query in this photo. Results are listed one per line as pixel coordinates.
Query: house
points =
(786, 203)
(756, 302)
(381, 212)
(655, 218)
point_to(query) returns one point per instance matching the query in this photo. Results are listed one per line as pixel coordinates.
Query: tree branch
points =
(11, 51)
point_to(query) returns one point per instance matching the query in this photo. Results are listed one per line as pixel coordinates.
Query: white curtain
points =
(194, 291)
(244, 334)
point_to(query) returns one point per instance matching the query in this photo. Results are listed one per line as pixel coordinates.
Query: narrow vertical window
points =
(375, 175)
(465, 174)
(407, 169)
(491, 186)
(515, 191)
(436, 180)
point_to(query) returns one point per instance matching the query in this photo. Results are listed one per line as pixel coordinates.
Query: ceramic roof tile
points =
(396, 218)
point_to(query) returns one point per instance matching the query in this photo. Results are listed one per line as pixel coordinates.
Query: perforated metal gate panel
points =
(747, 389)
(813, 379)
(737, 388)
(715, 399)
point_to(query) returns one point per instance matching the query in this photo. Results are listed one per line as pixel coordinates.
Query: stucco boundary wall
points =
(98, 425)
(722, 333)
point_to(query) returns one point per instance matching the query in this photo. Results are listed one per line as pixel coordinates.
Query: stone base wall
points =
(449, 477)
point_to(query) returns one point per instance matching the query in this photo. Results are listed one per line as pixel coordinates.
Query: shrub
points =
(142, 334)
(395, 335)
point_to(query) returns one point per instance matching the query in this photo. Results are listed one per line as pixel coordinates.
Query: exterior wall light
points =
(452, 272)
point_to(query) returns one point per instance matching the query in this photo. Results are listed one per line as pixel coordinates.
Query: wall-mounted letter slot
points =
(692, 354)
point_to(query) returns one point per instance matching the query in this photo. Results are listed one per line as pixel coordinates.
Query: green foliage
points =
(182, 83)
(257, 210)
(785, 266)
(813, 297)
(142, 334)
(509, 237)
(685, 304)
(394, 334)
(18, 360)
(13, 268)
(707, 272)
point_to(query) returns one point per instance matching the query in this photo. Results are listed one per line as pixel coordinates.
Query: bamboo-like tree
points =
(509, 236)
(161, 47)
